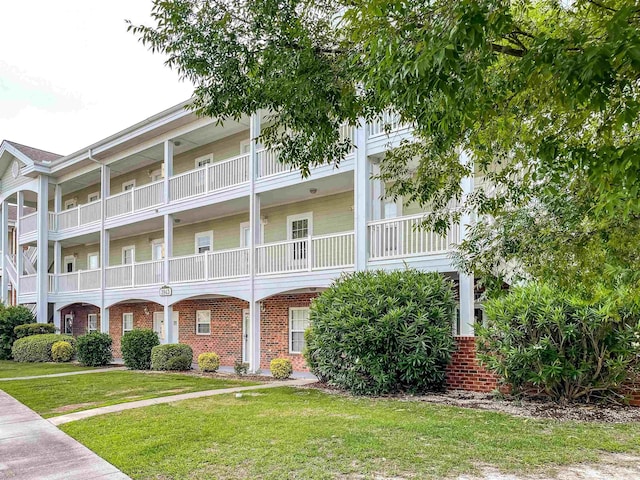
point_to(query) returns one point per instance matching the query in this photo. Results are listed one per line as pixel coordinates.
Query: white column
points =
(362, 195)
(4, 249)
(168, 322)
(104, 320)
(57, 262)
(42, 288)
(19, 250)
(168, 168)
(254, 224)
(377, 191)
(57, 198)
(57, 317)
(104, 261)
(168, 253)
(466, 282)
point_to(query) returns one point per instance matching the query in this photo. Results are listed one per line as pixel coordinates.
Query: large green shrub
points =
(209, 362)
(537, 338)
(28, 329)
(136, 348)
(379, 332)
(61, 351)
(37, 348)
(174, 356)
(10, 318)
(94, 349)
(281, 368)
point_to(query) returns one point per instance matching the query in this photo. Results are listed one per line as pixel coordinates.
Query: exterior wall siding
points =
(9, 183)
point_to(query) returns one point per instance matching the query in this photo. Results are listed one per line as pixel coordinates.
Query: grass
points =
(290, 433)
(9, 368)
(59, 395)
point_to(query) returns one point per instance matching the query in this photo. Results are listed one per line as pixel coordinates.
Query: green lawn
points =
(306, 434)
(56, 396)
(9, 368)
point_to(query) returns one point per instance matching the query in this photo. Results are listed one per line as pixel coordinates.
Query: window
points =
(69, 204)
(93, 261)
(203, 322)
(204, 242)
(68, 324)
(130, 185)
(157, 175)
(69, 264)
(127, 322)
(93, 197)
(158, 324)
(298, 323)
(245, 146)
(128, 255)
(245, 234)
(204, 160)
(92, 322)
(157, 250)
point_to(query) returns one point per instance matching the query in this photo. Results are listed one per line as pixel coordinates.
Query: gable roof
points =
(35, 154)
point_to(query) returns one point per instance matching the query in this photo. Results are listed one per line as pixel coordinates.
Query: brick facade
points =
(465, 373)
(80, 318)
(141, 319)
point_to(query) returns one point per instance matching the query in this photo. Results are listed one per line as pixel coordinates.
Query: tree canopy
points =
(543, 94)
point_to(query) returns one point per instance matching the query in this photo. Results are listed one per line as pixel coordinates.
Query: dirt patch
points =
(74, 406)
(535, 408)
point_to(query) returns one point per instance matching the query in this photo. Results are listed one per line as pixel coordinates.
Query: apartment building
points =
(188, 226)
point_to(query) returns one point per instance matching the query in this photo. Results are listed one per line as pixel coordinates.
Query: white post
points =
(4, 249)
(254, 226)
(105, 191)
(377, 192)
(168, 248)
(19, 250)
(362, 195)
(42, 289)
(57, 318)
(168, 322)
(466, 282)
(104, 320)
(168, 169)
(57, 264)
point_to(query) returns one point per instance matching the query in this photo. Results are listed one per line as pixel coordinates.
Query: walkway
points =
(66, 374)
(32, 448)
(71, 417)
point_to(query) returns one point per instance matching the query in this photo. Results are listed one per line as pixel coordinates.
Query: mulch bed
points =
(538, 408)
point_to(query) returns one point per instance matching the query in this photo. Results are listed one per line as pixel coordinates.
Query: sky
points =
(71, 74)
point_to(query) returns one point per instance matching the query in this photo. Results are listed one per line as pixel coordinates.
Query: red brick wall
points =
(80, 317)
(274, 329)
(226, 327)
(140, 320)
(465, 373)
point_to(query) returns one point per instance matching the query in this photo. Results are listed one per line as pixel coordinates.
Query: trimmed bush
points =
(29, 329)
(540, 339)
(37, 348)
(281, 368)
(10, 318)
(209, 362)
(377, 332)
(240, 367)
(61, 351)
(136, 347)
(174, 356)
(94, 349)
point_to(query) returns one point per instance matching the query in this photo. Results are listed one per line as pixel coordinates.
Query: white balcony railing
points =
(135, 275)
(333, 251)
(29, 223)
(402, 237)
(268, 163)
(28, 283)
(52, 283)
(80, 281)
(139, 198)
(78, 216)
(210, 266)
(386, 123)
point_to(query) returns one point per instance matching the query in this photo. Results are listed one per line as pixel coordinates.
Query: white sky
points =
(71, 74)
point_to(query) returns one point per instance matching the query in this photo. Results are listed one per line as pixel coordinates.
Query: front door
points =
(246, 328)
(68, 324)
(158, 325)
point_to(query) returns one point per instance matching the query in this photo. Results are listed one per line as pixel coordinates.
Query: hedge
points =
(94, 349)
(37, 348)
(173, 356)
(281, 368)
(11, 317)
(208, 362)
(61, 351)
(136, 348)
(29, 329)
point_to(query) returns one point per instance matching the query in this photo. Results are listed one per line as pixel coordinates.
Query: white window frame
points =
(300, 216)
(95, 196)
(208, 234)
(160, 332)
(157, 172)
(202, 158)
(93, 254)
(245, 146)
(291, 331)
(70, 204)
(198, 322)
(124, 316)
(154, 243)
(133, 255)
(245, 225)
(127, 183)
(89, 317)
(297, 248)
(73, 262)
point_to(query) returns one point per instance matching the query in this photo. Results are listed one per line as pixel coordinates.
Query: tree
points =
(535, 91)
(11, 317)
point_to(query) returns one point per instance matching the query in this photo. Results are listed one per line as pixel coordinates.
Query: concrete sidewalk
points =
(71, 417)
(65, 374)
(32, 448)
